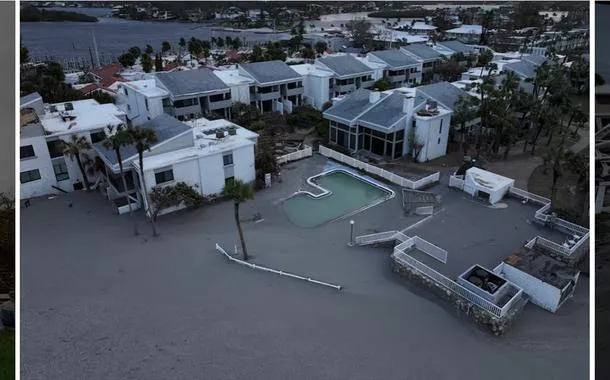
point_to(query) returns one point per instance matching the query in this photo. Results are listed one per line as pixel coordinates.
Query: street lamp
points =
(351, 233)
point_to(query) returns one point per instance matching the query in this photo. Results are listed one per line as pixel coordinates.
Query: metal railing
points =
(282, 273)
(430, 249)
(570, 228)
(452, 286)
(376, 237)
(552, 246)
(371, 169)
(307, 152)
(520, 193)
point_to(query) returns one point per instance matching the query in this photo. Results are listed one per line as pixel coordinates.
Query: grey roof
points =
(422, 51)
(351, 105)
(535, 59)
(443, 92)
(394, 58)
(523, 68)
(344, 65)
(165, 127)
(270, 71)
(388, 110)
(30, 98)
(180, 83)
(457, 47)
(525, 86)
(543, 267)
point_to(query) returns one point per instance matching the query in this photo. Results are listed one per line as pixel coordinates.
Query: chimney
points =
(374, 96)
(233, 131)
(220, 134)
(408, 104)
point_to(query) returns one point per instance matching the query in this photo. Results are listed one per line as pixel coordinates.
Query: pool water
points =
(348, 193)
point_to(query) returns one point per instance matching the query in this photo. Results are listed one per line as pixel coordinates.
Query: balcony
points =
(397, 78)
(345, 88)
(367, 83)
(221, 104)
(295, 91)
(267, 96)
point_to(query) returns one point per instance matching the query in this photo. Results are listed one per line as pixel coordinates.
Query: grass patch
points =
(7, 355)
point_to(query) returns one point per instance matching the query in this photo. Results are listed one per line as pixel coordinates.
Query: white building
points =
(316, 83)
(141, 100)
(486, 185)
(382, 124)
(204, 154)
(239, 84)
(44, 167)
(547, 282)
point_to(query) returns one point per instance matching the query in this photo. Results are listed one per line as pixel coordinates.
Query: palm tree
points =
(485, 59)
(73, 149)
(465, 111)
(117, 137)
(143, 139)
(239, 192)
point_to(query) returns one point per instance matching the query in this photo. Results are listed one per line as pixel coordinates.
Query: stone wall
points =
(462, 306)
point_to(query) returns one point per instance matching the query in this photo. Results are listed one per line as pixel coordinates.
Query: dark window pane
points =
(26, 151)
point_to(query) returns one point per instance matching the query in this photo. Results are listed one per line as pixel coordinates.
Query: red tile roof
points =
(90, 88)
(235, 55)
(171, 66)
(108, 74)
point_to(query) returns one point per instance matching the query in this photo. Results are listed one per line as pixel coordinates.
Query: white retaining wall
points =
(388, 176)
(299, 154)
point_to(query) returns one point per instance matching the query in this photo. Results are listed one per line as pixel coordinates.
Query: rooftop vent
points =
(53, 109)
(233, 131)
(201, 146)
(69, 107)
(220, 134)
(198, 137)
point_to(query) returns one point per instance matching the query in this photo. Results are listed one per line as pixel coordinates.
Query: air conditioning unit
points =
(201, 146)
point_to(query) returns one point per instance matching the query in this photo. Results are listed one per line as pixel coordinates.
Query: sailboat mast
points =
(97, 53)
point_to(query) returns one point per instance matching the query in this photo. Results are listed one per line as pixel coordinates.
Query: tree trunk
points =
(135, 225)
(554, 188)
(506, 151)
(535, 140)
(147, 198)
(82, 170)
(241, 233)
(550, 138)
(464, 149)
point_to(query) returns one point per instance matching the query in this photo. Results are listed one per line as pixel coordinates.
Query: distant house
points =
(450, 48)
(424, 54)
(400, 68)
(194, 93)
(349, 74)
(466, 33)
(274, 83)
(524, 69)
(141, 100)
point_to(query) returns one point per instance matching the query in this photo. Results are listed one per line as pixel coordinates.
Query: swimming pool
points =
(341, 193)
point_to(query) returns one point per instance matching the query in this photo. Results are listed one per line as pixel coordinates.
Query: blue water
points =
(348, 194)
(113, 35)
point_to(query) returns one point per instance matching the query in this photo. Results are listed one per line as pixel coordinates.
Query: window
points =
(227, 159)
(98, 136)
(400, 135)
(129, 107)
(164, 175)
(439, 140)
(61, 171)
(146, 103)
(26, 152)
(186, 103)
(29, 176)
(440, 130)
(55, 148)
(217, 98)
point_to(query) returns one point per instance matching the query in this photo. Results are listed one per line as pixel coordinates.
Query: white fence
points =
(376, 237)
(431, 249)
(520, 193)
(457, 182)
(282, 273)
(451, 285)
(306, 152)
(570, 228)
(372, 169)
